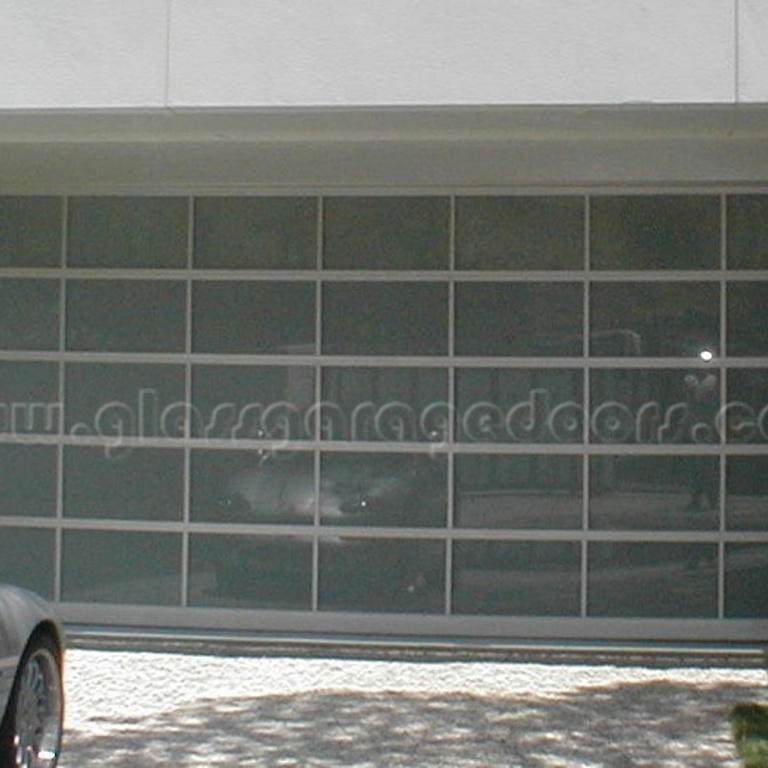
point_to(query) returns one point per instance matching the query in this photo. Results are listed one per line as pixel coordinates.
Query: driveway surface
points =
(141, 709)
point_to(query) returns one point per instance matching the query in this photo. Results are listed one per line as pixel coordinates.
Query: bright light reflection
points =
(706, 355)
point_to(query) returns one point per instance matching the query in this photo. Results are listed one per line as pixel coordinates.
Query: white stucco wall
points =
(86, 54)
(753, 51)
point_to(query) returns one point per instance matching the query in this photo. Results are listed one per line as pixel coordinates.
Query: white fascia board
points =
(555, 149)
(387, 124)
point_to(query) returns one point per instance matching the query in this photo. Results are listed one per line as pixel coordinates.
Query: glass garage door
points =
(494, 415)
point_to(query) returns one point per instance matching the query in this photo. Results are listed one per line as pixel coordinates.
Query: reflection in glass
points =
(114, 400)
(385, 318)
(520, 233)
(128, 232)
(520, 405)
(383, 489)
(747, 308)
(29, 314)
(674, 580)
(663, 319)
(27, 559)
(128, 484)
(126, 315)
(255, 233)
(27, 481)
(386, 232)
(392, 575)
(30, 231)
(654, 492)
(529, 491)
(746, 413)
(519, 319)
(517, 578)
(253, 487)
(266, 572)
(390, 404)
(29, 398)
(633, 405)
(746, 493)
(124, 567)
(270, 317)
(655, 232)
(253, 402)
(747, 231)
(746, 576)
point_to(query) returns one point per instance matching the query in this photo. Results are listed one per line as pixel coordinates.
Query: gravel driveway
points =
(142, 709)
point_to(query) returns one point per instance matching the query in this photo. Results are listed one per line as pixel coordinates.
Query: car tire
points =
(31, 731)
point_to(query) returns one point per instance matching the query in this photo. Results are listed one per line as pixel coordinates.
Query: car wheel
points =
(30, 735)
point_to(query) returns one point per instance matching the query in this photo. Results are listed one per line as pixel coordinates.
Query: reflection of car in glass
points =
(354, 490)
(31, 692)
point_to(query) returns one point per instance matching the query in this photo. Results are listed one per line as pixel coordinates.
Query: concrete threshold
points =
(363, 647)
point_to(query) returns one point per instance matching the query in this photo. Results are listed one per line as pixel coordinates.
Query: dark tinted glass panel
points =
(29, 398)
(256, 233)
(748, 232)
(747, 313)
(253, 487)
(746, 576)
(654, 406)
(254, 317)
(517, 578)
(531, 491)
(654, 492)
(745, 416)
(386, 233)
(385, 319)
(106, 567)
(519, 233)
(519, 319)
(655, 232)
(116, 400)
(29, 314)
(520, 405)
(126, 315)
(30, 231)
(655, 319)
(652, 580)
(393, 404)
(253, 403)
(28, 480)
(250, 572)
(746, 493)
(131, 484)
(383, 489)
(27, 559)
(402, 576)
(128, 232)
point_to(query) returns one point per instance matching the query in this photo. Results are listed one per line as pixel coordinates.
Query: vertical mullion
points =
(450, 437)
(723, 399)
(58, 532)
(316, 455)
(187, 485)
(586, 457)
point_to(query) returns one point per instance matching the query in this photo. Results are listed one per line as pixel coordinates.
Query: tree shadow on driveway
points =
(651, 723)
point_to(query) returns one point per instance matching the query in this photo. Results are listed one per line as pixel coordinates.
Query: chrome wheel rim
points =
(38, 712)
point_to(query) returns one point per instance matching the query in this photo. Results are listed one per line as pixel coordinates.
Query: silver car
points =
(31, 688)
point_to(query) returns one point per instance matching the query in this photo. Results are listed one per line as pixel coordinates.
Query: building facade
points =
(438, 321)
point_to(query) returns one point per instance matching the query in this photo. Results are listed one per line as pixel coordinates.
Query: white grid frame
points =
(450, 362)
